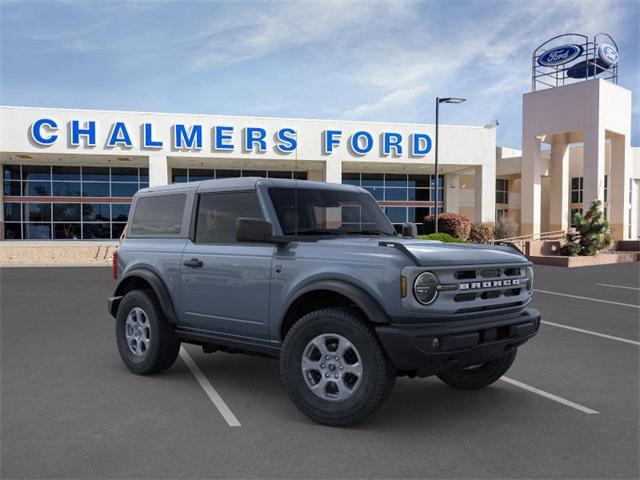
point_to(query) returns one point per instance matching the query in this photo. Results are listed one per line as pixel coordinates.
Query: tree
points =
(592, 233)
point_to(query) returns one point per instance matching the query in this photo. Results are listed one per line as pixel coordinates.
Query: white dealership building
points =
(70, 174)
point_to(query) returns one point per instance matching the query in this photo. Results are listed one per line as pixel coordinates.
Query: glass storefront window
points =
(96, 231)
(12, 189)
(197, 174)
(95, 189)
(13, 231)
(11, 172)
(95, 174)
(36, 172)
(123, 189)
(180, 175)
(12, 212)
(66, 189)
(37, 212)
(69, 231)
(120, 174)
(95, 212)
(120, 212)
(66, 173)
(37, 231)
(66, 212)
(59, 219)
(37, 189)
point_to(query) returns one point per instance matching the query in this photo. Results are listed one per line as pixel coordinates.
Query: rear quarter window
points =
(158, 215)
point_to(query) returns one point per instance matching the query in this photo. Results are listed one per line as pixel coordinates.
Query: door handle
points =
(193, 263)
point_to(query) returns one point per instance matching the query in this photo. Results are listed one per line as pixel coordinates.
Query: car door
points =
(225, 284)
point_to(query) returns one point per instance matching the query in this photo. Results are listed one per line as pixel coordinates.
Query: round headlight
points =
(425, 288)
(529, 278)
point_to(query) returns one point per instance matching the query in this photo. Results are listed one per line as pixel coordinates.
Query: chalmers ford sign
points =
(196, 137)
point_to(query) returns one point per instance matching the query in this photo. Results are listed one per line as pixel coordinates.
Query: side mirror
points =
(409, 230)
(253, 230)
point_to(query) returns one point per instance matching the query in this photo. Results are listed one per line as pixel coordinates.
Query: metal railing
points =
(521, 240)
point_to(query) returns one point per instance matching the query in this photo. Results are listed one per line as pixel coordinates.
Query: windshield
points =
(328, 212)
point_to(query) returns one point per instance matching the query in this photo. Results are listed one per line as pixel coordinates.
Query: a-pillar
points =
(531, 186)
(559, 205)
(158, 170)
(452, 195)
(618, 188)
(593, 167)
(485, 192)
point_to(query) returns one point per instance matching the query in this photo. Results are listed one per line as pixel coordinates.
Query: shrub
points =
(443, 237)
(592, 233)
(456, 225)
(482, 232)
(506, 228)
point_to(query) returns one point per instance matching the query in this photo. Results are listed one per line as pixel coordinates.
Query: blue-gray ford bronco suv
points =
(315, 274)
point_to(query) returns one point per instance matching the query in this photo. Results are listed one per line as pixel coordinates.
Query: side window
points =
(158, 215)
(218, 212)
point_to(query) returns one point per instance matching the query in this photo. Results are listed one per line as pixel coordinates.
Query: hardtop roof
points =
(244, 183)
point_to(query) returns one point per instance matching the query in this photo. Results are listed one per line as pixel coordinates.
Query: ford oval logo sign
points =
(560, 55)
(608, 54)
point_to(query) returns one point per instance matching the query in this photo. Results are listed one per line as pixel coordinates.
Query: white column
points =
(485, 192)
(333, 170)
(618, 188)
(593, 167)
(452, 195)
(158, 170)
(531, 188)
(559, 204)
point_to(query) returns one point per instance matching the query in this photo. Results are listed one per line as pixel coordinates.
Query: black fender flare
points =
(157, 285)
(363, 300)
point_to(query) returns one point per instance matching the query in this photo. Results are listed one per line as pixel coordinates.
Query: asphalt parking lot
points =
(70, 409)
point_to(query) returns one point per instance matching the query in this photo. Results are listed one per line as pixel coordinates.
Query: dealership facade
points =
(70, 174)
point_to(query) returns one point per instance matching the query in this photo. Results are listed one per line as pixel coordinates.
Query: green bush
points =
(443, 237)
(592, 233)
(482, 232)
(456, 225)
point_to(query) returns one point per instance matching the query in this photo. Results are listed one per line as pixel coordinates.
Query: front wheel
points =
(333, 367)
(479, 376)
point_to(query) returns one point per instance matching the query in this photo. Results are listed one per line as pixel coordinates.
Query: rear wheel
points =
(479, 376)
(146, 341)
(334, 368)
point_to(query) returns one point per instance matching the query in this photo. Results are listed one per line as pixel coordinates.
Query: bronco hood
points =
(431, 253)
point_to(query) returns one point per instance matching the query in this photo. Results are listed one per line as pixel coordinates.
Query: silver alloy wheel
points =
(138, 331)
(332, 367)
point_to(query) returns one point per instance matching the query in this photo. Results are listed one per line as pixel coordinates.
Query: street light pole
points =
(436, 162)
(438, 102)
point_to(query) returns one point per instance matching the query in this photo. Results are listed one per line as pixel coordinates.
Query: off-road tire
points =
(378, 376)
(481, 376)
(164, 344)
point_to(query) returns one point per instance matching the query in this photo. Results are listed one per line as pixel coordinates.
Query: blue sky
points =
(364, 60)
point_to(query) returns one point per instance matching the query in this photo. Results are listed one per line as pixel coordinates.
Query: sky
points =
(344, 60)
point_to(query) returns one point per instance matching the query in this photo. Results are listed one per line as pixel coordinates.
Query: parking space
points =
(71, 409)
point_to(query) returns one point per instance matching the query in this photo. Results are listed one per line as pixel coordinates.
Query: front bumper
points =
(428, 349)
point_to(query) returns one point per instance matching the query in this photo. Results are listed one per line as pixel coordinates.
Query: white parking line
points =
(610, 337)
(600, 300)
(550, 396)
(617, 286)
(211, 392)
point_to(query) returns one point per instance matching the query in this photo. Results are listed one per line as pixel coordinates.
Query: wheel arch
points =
(326, 293)
(140, 279)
